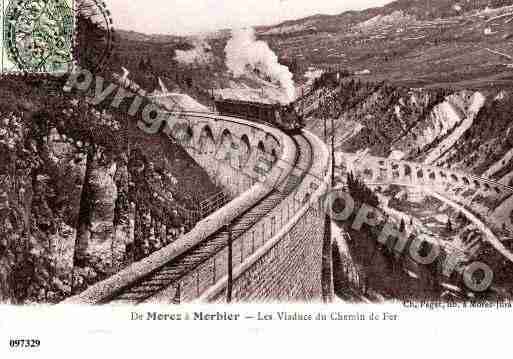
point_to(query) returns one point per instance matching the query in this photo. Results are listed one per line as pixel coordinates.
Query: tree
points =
(360, 192)
(142, 65)
(149, 65)
(402, 226)
(449, 225)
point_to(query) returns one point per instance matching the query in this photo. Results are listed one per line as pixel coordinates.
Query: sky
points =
(191, 16)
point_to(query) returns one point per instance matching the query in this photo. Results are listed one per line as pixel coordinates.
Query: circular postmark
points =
(38, 34)
(94, 36)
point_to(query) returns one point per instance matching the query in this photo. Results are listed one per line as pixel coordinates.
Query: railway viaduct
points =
(278, 256)
(475, 196)
(479, 194)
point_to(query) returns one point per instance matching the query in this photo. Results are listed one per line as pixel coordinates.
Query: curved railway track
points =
(157, 281)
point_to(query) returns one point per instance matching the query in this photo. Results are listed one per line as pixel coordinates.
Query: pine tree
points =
(149, 65)
(449, 225)
(142, 65)
(402, 227)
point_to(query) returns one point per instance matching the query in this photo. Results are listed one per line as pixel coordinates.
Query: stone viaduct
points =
(468, 190)
(281, 256)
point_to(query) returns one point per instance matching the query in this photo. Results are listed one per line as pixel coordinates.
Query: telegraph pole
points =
(213, 101)
(325, 129)
(332, 153)
(327, 271)
(325, 119)
(302, 102)
(230, 265)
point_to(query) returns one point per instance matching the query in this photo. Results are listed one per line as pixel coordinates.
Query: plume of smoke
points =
(243, 51)
(201, 54)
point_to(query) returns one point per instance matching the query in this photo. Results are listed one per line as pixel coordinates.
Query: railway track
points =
(171, 272)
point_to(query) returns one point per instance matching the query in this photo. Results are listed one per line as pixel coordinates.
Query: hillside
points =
(438, 43)
(81, 187)
(411, 43)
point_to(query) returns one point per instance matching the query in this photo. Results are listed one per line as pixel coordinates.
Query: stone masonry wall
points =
(290, 271)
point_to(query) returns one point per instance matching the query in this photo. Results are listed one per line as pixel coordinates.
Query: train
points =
(285, 117)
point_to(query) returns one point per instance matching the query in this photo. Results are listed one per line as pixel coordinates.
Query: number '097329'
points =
(24, 343)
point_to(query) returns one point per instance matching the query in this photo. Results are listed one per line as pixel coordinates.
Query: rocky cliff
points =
(460, 129)
(82, 193)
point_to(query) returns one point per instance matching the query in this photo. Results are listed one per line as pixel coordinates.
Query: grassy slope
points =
(427, 52)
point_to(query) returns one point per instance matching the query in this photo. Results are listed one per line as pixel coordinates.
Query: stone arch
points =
(261, 153)
(226, 146)
(261, 146)
(226, 138)
(420, 173)
(190, 133)
(206, 142)
(244, 150)
(273, 156)
(226, 135)
(407, 170)
(270, 142)
(395, 170)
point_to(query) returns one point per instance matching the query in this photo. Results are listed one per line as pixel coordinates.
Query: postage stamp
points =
(37, 36)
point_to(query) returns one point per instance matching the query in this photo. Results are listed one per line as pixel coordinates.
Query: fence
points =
(297, 239)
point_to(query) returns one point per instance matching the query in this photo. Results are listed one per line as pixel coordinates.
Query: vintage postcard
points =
(324, 162)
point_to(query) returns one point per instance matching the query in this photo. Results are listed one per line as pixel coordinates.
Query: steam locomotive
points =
(285, 117)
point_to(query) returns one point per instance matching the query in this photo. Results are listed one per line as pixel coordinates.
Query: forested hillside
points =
(83, 191)
(461, 129)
